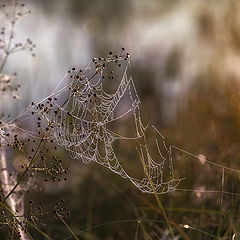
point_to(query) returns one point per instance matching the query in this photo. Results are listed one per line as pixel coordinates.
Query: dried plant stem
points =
(156, 194)
(23, 174)
(6, 187)
(67, 226)
(7, 51)
(3, 62)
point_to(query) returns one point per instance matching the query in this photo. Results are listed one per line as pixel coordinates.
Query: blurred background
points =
(185, 59)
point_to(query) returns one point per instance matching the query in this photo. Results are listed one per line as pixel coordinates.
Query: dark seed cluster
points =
(11, 13)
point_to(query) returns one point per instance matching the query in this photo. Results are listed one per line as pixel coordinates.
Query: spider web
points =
(81, 126)
(80, 114)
